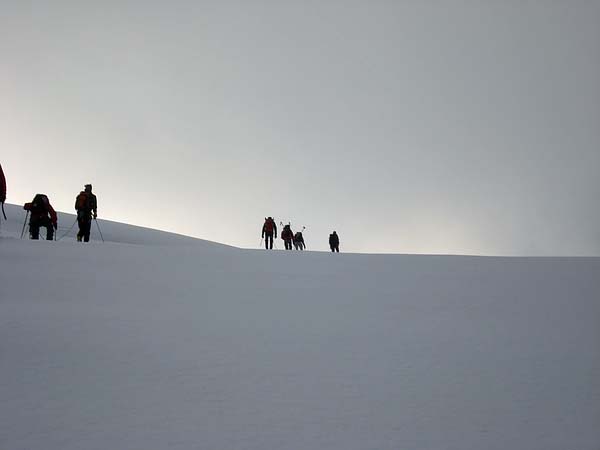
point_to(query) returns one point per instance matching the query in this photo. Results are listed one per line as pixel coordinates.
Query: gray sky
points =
(407, 126)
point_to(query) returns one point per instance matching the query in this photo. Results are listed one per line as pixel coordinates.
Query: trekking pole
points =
(261, 241)
(68, 231)
(3, 213)
(24, 222)
(99, 230)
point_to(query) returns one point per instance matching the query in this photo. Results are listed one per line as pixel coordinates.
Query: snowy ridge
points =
(112, 231)
(204, 346)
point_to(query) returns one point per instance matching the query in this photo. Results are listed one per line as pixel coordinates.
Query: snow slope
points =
(194, 345)
(111, 231)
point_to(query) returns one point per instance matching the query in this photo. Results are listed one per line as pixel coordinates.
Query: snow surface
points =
(157, 341)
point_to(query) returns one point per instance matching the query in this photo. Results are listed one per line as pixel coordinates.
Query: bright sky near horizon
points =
(407, 126)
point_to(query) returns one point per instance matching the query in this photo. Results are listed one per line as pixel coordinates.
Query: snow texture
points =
(154, 341)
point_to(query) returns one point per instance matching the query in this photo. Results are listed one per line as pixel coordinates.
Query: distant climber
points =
(2, 186)
(299, 241)
(42, 215)
(86, 206)
(2, 190)
(334, 242)
(287, 235)
(268, 231)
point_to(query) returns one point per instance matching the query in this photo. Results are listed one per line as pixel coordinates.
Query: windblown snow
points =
(152, 341)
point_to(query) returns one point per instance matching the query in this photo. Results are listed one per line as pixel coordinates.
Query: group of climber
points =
(42, 214)
(290, 238)
(269, 232)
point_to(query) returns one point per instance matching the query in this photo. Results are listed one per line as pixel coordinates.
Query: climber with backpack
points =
(86, 206)
(2, 190)
(334, 242)
(299, 241)
(269, 230)
(287, 235)
(42, 214)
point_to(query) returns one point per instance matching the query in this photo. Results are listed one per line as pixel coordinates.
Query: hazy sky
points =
(407, 126)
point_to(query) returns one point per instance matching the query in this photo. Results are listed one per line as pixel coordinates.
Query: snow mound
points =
(111, 231)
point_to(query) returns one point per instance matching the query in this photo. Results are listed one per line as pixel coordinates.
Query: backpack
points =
(40, 204)
(82, 202)
(269, 225)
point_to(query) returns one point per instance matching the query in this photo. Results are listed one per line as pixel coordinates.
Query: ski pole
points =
(3, 213)
(68, 231)
(99, 230)
(24, 222)
(261, 241)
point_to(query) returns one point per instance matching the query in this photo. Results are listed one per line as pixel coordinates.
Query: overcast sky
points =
(407, 126)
